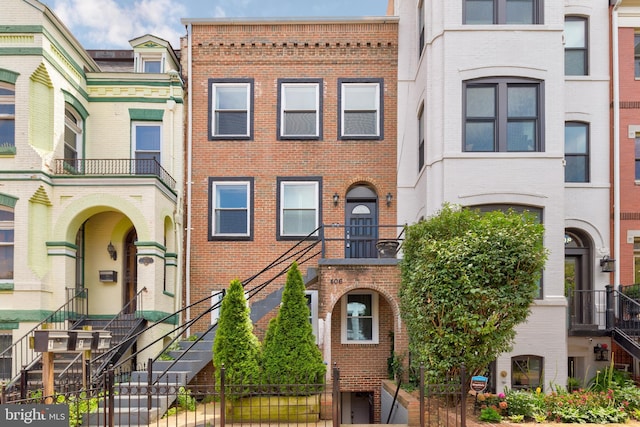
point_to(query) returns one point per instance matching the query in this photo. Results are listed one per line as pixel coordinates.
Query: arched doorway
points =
(361, 223)
(130, 285)
(577, 277)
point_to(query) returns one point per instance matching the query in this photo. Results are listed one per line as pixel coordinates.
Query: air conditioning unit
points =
(108, 276)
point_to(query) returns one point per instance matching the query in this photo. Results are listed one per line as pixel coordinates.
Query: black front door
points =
(361, 230)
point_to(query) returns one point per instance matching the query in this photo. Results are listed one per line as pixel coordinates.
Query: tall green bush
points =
(468, 279)
(235, 346)
(290, 354)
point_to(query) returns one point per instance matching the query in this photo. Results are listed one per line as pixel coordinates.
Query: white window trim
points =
(283, 109)
(142, 57)
(214, 186)
(314, 313)
(77, 128)
(343, 92)
(9, 225)
(316, 197)
(134, 142)
(214, 97)
(8, 100)
(374, 314)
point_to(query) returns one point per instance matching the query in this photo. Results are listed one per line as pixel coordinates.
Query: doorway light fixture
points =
(607, 264)
(112, 251)
(336, 199)
(389, 198)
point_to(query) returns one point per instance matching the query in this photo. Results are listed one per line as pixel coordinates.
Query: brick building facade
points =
(292, 127)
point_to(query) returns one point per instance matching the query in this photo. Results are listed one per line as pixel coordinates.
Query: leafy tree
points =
(290, 354)
(235, 345)
(468, 279)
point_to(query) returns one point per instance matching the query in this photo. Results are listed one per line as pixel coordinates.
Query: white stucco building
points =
(506, 104)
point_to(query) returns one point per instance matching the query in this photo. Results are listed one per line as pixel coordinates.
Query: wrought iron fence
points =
(80, 167)
(121, 398)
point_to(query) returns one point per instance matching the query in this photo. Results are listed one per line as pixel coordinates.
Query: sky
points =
(110, 24)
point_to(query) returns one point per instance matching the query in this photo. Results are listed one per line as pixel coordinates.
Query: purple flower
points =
(501, 395)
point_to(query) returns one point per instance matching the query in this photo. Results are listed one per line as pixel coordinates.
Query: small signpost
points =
(478, 385)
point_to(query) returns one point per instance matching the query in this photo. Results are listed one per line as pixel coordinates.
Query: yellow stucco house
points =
(91, 167)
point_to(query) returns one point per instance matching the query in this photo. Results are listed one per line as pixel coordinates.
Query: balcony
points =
(113, 167)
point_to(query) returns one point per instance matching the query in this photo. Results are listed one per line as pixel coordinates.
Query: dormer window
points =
(149, 62)
(152, 66)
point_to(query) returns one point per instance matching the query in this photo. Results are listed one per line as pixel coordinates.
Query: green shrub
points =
(235, 346)
(290, 354)
(490, 415)
(522, 403)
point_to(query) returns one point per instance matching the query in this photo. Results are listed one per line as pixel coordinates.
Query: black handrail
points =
(130, 167)
(297, 252)
(122, 320)
(73, 311)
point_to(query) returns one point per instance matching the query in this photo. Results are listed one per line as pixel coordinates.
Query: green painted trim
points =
(169, 294)
(6, 286)
(8, 76)
(132, 99)
(8, 150)
(73, 101)
(63, 244)
(128, 83)
(146, 114)
(155, 316)
(24, 315)
(152, 244)
(177, 100)
(54, 62)
(7, 200)
(12, 29)
(170, 255)
(21, 51)
(5, 326)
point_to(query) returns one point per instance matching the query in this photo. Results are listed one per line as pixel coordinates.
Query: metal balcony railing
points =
(109, 167)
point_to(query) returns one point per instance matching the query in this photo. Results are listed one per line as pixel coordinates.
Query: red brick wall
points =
(266, 52)
(363, 367)
(629, 115)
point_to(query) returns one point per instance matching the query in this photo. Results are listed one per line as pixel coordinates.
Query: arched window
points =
(72, 138)
(526, 372)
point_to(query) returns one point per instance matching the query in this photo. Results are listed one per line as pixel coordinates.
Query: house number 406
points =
(336, 281)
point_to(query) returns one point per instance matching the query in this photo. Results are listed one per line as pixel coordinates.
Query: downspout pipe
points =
(616, 140)
(187, 264)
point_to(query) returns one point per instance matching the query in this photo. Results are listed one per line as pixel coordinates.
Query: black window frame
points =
(319, 108)
(250, 108)
(421, 26)
(636, 54)
(213, 181)
(501, 119)
(584, 49)
(279, 200)
(372, 81)
(421, 145)
(500, 15)
(6, 360)
(575, 155)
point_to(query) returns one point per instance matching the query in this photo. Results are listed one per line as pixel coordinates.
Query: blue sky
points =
(110, 24)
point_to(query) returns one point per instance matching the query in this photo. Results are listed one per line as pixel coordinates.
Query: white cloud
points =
(111, 24)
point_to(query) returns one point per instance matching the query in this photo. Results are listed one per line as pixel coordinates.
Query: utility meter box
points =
(50, 340)
(101, 340)
(80, 340)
